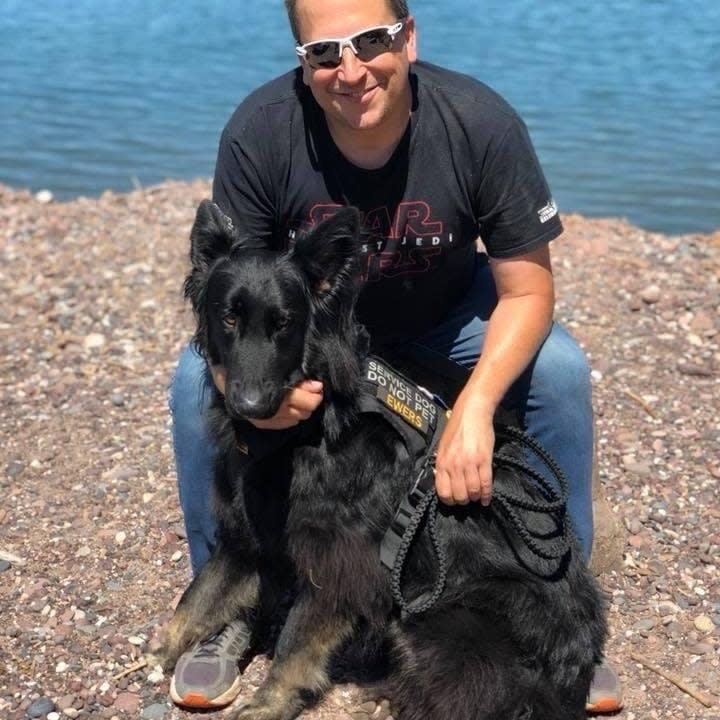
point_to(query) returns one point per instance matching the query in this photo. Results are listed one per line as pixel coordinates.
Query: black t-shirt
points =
(464, 168)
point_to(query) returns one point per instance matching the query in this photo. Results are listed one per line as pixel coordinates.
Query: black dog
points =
(503, 640)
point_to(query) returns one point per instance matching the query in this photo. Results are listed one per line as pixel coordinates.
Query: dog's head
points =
(269, 317)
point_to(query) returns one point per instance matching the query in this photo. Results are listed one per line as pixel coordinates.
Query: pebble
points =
(120, 537)
(71, 712)
(4, 565)
(154, 712)
(155, 677)
(637, 468)
(44, 196)
(634, 526)
(93, 341)
(128, 702)
(135, 640)
(651, 294)
(668, 608)
(53, 716)
(40, 707)
(14, 468)
(117, 399)
(645, 625)
(704, 624)
(700, 648)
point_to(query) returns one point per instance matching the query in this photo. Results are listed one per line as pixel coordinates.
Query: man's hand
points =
(299, 404)
(463, 469)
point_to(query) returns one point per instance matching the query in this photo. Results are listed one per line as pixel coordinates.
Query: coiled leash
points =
(428, 415)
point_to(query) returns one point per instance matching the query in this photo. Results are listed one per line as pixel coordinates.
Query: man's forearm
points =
(515, 331)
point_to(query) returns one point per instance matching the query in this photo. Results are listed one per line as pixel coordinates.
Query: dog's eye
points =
(229, 320)
(282, 321)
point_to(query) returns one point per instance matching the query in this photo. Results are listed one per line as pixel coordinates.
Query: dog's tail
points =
(456, 664)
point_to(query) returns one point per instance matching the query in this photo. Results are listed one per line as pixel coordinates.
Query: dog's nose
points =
(249, 402)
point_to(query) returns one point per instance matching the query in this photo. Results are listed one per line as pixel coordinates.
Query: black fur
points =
(504, 641)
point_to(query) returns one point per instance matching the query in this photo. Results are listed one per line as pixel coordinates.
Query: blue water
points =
(622, 97)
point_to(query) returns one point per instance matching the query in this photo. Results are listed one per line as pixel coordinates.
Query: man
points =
(432, 159)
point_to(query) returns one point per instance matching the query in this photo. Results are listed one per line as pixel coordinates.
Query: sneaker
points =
(605, 691)
(207, 675)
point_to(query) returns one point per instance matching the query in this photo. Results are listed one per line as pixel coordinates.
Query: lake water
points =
(622, 97)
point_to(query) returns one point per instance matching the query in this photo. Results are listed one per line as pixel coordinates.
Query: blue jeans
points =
(552, 398)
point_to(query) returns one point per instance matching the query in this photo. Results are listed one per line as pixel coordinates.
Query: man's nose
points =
(351, 69)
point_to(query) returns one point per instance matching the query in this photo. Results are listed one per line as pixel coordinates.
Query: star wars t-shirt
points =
(464, 168)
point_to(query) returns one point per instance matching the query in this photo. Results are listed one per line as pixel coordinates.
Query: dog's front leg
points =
(226, 589)
(299, 673)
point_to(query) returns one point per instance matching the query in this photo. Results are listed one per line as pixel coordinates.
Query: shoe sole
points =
(606, 705)
(198, 701)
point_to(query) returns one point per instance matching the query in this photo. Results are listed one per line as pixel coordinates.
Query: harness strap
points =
(393, 553)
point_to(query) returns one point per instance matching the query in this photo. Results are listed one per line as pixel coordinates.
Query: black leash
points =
(422, 501)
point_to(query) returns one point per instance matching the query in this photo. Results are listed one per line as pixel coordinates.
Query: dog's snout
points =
(249, 402)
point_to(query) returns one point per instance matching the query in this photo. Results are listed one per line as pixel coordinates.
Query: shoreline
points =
(47, 197)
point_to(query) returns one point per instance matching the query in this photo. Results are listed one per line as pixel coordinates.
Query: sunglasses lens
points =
(372, 43)
(323, 55)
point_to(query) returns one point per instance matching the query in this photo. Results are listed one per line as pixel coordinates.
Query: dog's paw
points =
(177, 637)
(269, 704)
(260, 711)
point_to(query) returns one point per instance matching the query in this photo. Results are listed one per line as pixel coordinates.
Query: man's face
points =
(357, 95)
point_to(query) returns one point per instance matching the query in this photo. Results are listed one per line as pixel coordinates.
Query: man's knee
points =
(561, 367)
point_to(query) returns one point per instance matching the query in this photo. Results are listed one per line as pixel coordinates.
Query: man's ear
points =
(330, 252)
(211, 237)
(410, 31)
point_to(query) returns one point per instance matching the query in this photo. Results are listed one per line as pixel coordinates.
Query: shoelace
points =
(210, 648)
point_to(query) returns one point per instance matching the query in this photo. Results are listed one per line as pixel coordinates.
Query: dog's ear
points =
(212, 235)
(330, 251)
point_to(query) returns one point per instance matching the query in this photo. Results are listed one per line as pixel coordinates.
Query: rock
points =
(608, 536)
(127, 702)
(44, 196)
(637, 468)
(154, 712)
(700, 648)
(155, 677)
(704, 624)
(4, 565)
(94, 341)
(651, 294)
(14, 468)
(633, 525)
(53, 716)
(40, 707)
(668, 608)
(645, 625)
(694, 370)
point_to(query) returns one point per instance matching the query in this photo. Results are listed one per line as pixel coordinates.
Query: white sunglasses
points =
(366, 44)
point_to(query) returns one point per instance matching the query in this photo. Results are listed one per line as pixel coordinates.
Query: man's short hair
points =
(399, 8)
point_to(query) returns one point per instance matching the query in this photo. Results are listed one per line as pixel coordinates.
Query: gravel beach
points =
(92, 548)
